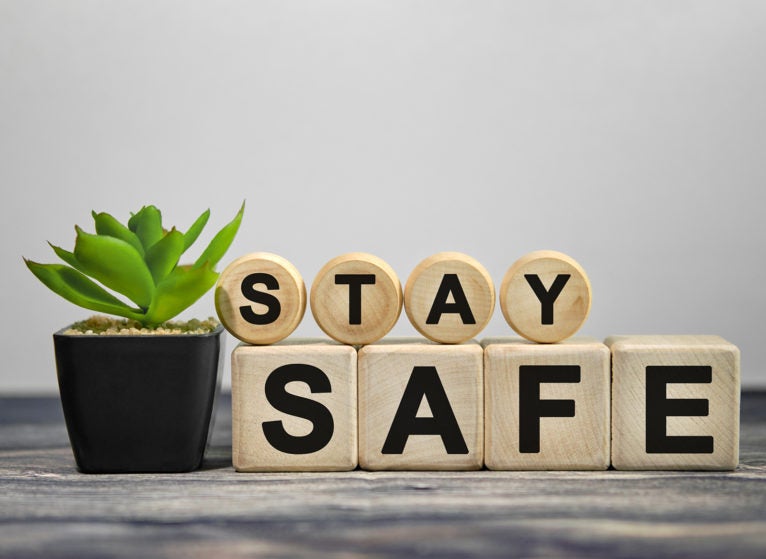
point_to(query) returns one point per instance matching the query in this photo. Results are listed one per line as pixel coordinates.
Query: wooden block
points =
(545, 296)
(356, 298)
(449, 297)
(420, 406)
(675, 403)
(260, 298)
(546, 406)
(294, 407)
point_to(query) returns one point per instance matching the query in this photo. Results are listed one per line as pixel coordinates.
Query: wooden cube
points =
(294, 407)
(421, 406)
(675, 403)
(546, 406)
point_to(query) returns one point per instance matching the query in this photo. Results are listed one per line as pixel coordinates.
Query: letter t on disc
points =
(356, 298)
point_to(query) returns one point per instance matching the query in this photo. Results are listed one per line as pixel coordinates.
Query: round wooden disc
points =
(272, 308)
(462, 283)
(523, 309)
(376, 307)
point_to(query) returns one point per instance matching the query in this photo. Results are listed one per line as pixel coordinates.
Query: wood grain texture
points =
(631, 355)
(381, 302)
(251, 367)
(565, 443)
(290, 292)
(385, 369)
(49, 510)
(522, 308)
(475, 288)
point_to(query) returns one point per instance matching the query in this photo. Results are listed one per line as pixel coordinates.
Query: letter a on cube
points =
(675, 403)
(420, 406)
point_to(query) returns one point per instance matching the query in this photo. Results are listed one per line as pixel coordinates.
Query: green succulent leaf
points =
(139, 261)
(108, 225)
(178, 291)
(147, 225)
(115, 264)
(163, 255)
(78, 289)
(221, 242)
(66, 256)
(196, 228)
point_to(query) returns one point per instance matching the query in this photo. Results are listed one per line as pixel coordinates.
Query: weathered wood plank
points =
(47, 509)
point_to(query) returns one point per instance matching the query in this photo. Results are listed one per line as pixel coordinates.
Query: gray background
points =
(630, 135)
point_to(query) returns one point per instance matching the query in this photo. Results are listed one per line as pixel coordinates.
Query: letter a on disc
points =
(449, 297)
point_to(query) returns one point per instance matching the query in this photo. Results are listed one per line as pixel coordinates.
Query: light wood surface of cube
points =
(565, 443)
(252, 365)
(384, 373)
(631, 355)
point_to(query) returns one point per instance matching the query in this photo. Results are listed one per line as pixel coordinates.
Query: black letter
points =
(532, 408)
(355, 282)
(250, 293)
(291, 404)
(547, 298)
(450, 284)
(659, 407)
(424, 381)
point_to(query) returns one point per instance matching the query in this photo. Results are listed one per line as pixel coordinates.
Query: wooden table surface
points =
(48, 509)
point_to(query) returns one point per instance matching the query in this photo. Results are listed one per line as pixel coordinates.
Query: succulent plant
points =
(139, 261)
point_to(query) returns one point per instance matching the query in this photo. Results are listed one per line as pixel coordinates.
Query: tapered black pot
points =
(138, 403)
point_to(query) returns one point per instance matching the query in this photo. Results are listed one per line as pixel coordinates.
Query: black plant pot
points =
(138, 403)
